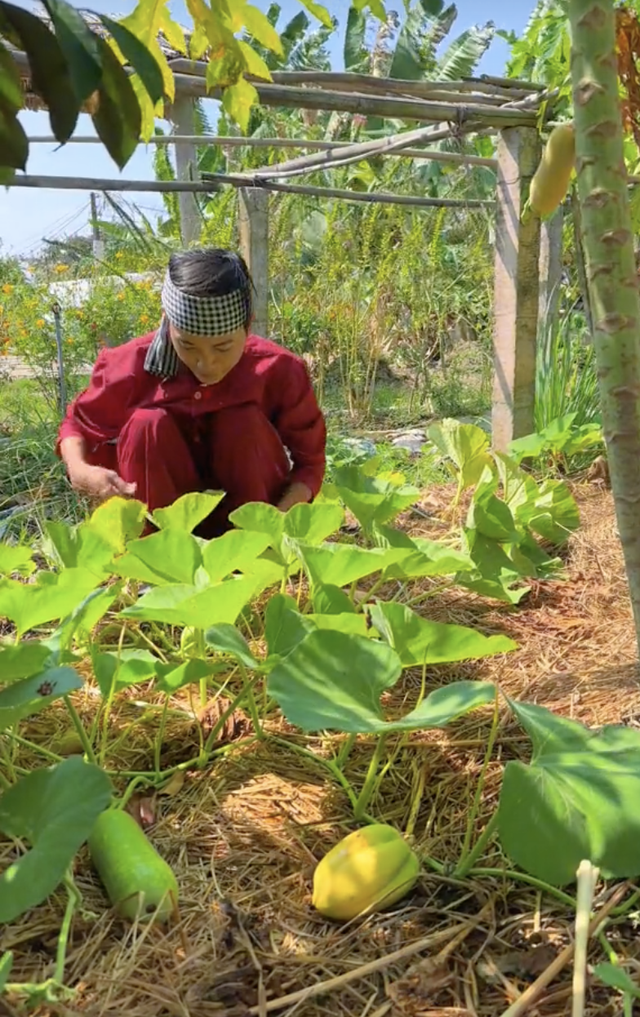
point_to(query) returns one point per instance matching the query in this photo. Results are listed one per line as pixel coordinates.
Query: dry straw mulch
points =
(244, 837)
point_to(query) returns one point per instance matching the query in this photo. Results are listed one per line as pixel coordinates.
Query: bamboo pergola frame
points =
(441, 110)
(233, 141)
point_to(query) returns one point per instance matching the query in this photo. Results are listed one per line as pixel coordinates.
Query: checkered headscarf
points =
(206, 316)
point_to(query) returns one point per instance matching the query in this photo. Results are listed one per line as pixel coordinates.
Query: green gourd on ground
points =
(139, 883)
(367, 871)
(550, 182)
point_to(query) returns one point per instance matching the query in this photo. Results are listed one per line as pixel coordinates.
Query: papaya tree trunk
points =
(610, 264)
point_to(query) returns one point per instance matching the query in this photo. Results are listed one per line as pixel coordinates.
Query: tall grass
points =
(33, 486)
(566, 379)
(361, 291)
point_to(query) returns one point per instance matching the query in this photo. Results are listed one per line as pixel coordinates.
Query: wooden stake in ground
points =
(587, 880)
(530, 996)
(610, 264)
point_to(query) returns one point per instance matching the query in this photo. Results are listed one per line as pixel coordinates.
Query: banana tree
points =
(303, 48)
(610, 262)
(412, 52)
(542, 53)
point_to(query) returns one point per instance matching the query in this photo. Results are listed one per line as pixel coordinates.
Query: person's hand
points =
(99, 483)
(296, 494)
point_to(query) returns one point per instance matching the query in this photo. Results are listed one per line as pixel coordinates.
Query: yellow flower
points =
(62, 268)
(40, 322)
(80, 313)
(7, 288)
(23, 334)
(120, 296)
(119, 254)
(144, 319)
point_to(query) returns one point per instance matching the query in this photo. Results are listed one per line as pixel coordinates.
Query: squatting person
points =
(200, 404)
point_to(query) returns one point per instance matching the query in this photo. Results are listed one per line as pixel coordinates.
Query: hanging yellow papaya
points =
(369, 870)
(551, 179)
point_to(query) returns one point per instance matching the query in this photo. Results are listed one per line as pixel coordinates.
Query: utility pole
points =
(98, 245)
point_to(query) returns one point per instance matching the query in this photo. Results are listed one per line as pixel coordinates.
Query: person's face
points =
(210, 358)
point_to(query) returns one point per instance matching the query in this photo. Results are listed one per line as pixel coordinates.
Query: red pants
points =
(235, 450)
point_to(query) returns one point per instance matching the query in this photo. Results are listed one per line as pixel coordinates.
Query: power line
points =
(57, 228)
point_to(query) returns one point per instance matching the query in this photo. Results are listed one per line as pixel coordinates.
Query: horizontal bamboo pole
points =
(232, 141)
(350, 153)
(371, 197)
(365, 105)
(490, 84)
(345, 81)
(348, 79)
(102, 184)
(235, 180)
(530, 86)
(320, 99)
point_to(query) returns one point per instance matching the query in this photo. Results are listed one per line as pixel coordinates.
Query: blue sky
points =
(26, 216)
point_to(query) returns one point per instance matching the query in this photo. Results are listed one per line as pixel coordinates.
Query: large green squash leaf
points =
(419, 641)
(464, 445)
(373, 500)
(333, 681)
(577, 798)
(54, 811)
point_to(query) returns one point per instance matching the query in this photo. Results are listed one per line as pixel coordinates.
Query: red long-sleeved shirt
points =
(267, 375)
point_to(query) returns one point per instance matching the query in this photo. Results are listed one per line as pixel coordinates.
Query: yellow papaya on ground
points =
(551, 180)
(369, 870)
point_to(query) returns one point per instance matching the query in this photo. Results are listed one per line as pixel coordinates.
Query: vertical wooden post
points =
(516, 288)
(186, 168)
(550, 270)
(253, 216)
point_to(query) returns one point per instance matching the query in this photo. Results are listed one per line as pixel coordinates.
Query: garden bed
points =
(243, 837)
